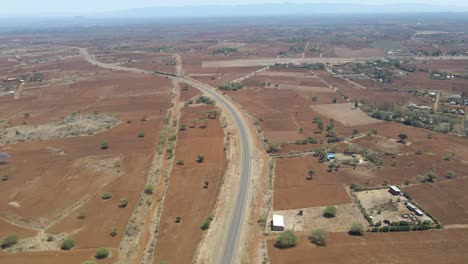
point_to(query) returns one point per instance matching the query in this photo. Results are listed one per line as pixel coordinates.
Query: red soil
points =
(438, 246)
(292, 190)
(446, 200)
(186, 197)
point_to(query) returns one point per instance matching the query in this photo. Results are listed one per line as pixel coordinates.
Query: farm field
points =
(405, 247)
(177, 242)
(292, 190)
(55, 186)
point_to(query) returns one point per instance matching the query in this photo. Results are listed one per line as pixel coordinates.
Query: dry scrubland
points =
(55, 125)
(59, 170)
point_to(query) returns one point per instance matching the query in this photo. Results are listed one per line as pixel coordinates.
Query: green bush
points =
(286, 239)
(200, 158)
(149, 189)
(141, 134)
(114, 232)
(178, 219)
(180, 162)
(106, 196)
(356, 229)
(102, 253)
(9, 241)
(206, 224)
(319, 237)
(67, 244)
(123, 202)
(104, 145)
(232, 86)
(330, 212)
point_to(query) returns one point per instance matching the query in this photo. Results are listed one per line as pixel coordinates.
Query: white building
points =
(277, 223)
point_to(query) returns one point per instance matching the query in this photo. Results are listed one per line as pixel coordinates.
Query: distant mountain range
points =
(283, 9)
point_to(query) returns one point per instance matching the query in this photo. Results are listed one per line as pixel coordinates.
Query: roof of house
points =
(394, 188)
(278, 220)
(330, 155)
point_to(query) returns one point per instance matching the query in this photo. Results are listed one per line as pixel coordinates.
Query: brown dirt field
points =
(346, 114)
(292, 190)
(188, 94)
(7, 228)
(53, 190)
(375, 95)
(407, 165)
(55, 257)
(177, 242)
(446, 201)
(438, 246)
(457, 66)
(283, 112)
(360, 53)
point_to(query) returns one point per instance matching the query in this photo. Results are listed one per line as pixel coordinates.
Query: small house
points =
(394, 190)
(277, 223)
(330, 156)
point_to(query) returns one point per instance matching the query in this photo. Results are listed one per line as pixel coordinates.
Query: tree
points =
(67, 244)
(320, 125)
(102, 253)
(286, 239)
(310, 174)
(9, 241)
(356, 229)
(330, 212)
(141, 134)
(206, 184)
(334, 100)
(403, 138)
(178, 219)
(319, 237)
(200, 158)
(356, 104)
(180, 162)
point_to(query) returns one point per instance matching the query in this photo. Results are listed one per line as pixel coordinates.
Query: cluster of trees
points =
(440, 122)
(202, 99)
(225, 51)
(403, 226)
(232, 86)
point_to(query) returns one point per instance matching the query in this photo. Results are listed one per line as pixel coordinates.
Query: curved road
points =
(237, 218)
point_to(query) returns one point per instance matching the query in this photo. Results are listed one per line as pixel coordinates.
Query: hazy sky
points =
(37, 7)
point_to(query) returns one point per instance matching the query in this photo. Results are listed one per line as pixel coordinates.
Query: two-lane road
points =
(229, 249)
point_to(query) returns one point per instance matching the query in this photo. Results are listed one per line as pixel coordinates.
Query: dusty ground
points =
(312, 218)
(446, 246)
(446, 201)
(346, 114)
(173, 243)
(391, 207)
(293, 191)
